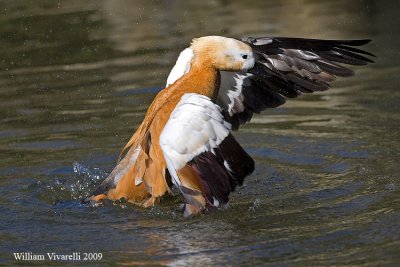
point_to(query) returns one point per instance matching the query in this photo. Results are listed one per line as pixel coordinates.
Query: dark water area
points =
(76, 78)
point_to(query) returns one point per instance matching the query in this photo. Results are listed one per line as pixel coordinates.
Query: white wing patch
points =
(230, 96)
(196, 125)
(182, 66)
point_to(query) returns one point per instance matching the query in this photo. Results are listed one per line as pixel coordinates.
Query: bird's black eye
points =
(244, 56)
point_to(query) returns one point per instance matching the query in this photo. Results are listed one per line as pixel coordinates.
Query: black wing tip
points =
(352, 42)
(269, 43)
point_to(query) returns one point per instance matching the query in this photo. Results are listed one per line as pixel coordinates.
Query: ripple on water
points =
(49, 145)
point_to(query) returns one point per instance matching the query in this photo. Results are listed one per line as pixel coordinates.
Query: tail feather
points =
(138, 176)
(127, 187)
(122, 167)
(121, 181)
(154, 177)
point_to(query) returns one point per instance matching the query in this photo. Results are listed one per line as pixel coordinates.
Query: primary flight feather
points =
(216, 85)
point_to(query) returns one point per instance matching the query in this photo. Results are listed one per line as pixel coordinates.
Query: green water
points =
(76, 78)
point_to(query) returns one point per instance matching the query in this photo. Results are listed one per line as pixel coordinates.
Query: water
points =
(76, 79)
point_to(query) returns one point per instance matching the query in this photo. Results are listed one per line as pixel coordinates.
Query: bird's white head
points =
(222, 53)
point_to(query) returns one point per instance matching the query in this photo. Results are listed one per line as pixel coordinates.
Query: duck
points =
(216, 85)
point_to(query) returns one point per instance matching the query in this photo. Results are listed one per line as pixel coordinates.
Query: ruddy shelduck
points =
(216, 85)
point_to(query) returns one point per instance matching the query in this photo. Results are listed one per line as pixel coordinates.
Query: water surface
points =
(76, 78)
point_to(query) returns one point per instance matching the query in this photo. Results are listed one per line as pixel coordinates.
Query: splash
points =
(87, 178)
(71, 184)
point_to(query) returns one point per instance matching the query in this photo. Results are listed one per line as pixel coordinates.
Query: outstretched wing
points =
(289, 67)
(203, 158)
(285, 68)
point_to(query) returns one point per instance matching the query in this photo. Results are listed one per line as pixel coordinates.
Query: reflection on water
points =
(76, 79)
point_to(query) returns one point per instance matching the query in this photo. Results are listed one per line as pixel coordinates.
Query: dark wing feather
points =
(222, 169)
(287, 67)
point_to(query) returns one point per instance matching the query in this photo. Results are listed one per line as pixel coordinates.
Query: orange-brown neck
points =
(202, 79)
